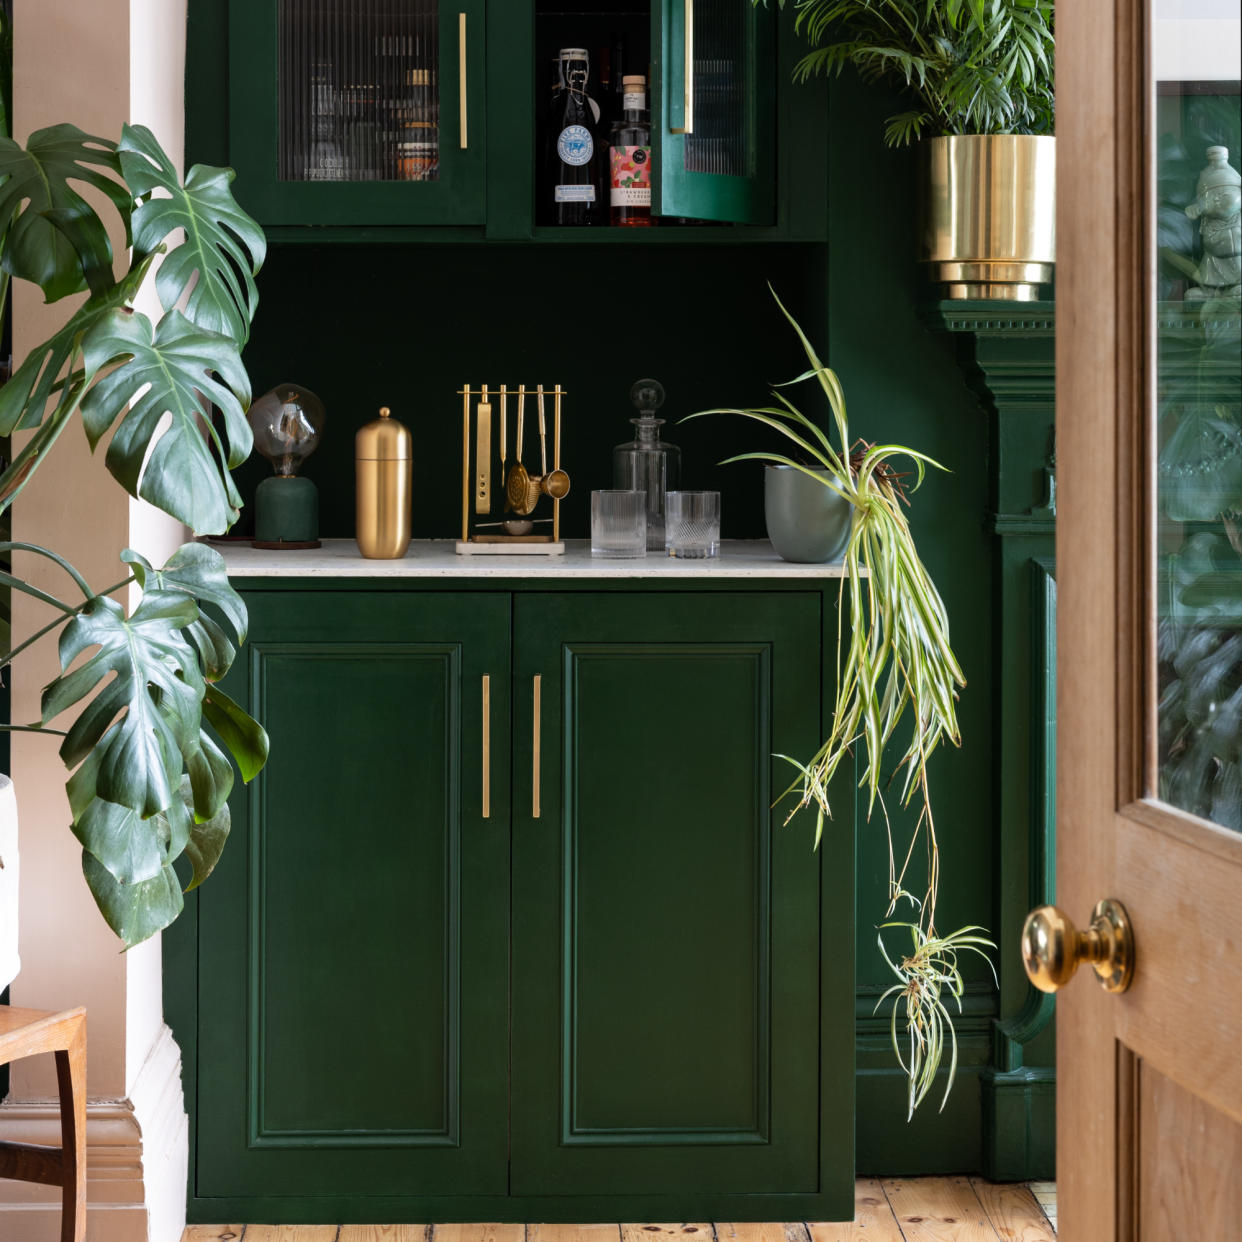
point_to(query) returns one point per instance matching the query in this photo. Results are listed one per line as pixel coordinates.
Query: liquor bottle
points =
(574, 181)
(630, 158)
(648, 463)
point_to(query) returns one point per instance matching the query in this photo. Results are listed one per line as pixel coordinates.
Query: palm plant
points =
(147, 749)
(895, 663)
(972, 66)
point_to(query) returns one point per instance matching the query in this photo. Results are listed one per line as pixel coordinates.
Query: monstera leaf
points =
(146, 685)
(132, 848)
(223, 247)
(151, 775)
(139, 907)
(199, 571)
(134, 911)
(173, 373)
(25, 394)
(52, 236)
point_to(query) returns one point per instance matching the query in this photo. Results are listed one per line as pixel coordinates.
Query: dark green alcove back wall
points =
(406, 326)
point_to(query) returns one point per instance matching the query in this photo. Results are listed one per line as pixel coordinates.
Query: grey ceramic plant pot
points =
(807, 522)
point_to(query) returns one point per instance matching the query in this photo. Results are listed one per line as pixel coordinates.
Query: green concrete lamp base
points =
(286, 512)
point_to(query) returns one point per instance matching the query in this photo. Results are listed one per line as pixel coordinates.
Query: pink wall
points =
(97, 65)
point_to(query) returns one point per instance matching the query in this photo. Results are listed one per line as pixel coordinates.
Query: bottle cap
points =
(633, 83)
(574, 53)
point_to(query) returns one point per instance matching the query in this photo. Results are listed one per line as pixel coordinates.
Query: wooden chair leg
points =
(71, 1076)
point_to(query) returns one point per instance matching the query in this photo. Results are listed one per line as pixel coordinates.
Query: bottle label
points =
(574, 146)
(634, 103)
(631, 177)
(575, 194)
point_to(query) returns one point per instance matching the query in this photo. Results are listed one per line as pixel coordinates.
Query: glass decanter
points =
(648, 463)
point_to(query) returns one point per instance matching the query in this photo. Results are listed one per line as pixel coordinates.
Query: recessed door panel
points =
(353, 943)
(666, 934)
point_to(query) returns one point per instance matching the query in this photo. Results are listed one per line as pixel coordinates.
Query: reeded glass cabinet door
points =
(358, 111)
(713, 121)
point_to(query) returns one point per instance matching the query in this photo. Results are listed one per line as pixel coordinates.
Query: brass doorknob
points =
(1052, 947)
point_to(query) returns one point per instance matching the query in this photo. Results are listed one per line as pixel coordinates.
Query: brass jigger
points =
(1052, 947)
(554, 483)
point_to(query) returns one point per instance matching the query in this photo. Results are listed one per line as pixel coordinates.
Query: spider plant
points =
(924, 975)
(972, 66)
(894, 664)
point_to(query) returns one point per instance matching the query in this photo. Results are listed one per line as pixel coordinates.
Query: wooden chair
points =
(23, 1033)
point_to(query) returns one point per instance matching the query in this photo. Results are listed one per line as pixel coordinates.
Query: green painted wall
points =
(903, 384)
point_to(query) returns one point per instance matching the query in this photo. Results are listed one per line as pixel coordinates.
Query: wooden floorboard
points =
(1013, 1211)
(914, 1209)
(873, 1218)
(701, 1232)
(384, 1233)
(938, 1209)
(479, 1233)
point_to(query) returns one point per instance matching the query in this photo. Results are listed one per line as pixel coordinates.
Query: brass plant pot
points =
(989, 214)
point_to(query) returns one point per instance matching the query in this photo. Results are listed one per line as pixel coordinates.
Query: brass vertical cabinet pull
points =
(687, 126)
(487, 746)
(536, 695)
(461, 77)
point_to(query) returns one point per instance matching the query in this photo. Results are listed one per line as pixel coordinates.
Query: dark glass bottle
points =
(573, 185)
(630, 159)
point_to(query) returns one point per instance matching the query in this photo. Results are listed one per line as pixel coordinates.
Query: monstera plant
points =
(150, 743)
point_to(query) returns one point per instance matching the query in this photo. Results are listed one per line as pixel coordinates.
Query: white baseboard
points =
(137, 1153)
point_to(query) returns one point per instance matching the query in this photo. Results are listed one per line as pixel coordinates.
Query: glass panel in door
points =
(1198, 408)
(359, 93)
(713, 120)
(358, 111)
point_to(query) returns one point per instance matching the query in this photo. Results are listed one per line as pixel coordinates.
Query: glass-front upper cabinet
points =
(713, 125)
(358, 111)
(653, 112)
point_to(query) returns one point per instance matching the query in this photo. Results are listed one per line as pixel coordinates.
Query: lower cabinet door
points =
(665, 926)
(353, 942)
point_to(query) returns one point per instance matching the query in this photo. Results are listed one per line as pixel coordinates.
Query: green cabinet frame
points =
(747, 197)
(455, 198)
(400, 999)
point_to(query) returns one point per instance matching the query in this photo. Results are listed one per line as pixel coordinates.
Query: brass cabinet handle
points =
(487, 746)
(536, 696)
(461, 76)
(1052, 947)
(687, 74)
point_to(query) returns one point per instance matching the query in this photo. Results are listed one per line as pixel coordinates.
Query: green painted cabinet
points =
(353, 958)
(508, 929)
(370, 121)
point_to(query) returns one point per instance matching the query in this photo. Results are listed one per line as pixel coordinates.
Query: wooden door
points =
(353, 942)
(666, 928)
(1149, 801)
(713, 116)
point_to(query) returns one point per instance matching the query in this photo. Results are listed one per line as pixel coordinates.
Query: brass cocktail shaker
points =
(384, 476)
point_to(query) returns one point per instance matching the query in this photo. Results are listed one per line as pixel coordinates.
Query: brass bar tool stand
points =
(501, 501)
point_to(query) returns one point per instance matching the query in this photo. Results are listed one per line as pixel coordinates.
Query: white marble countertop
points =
(437, 558)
